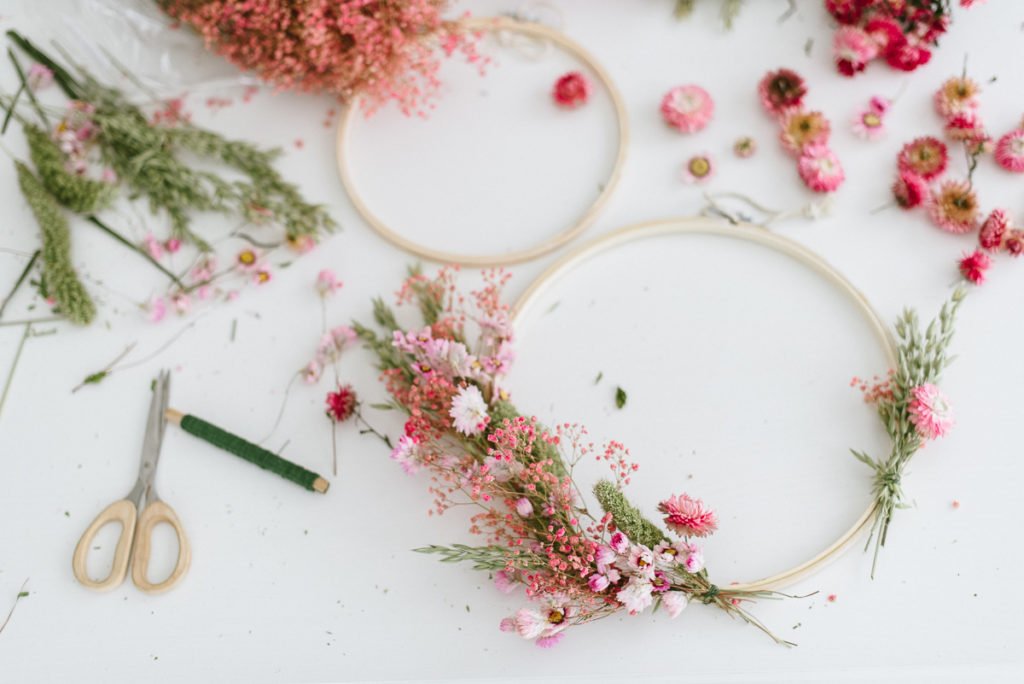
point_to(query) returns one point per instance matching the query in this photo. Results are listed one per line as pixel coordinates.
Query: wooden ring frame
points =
(494, 25)
(763, 237)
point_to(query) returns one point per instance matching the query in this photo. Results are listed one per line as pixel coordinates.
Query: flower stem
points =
(19, 281)
(14, 366)
(371, 430)
(135, 248)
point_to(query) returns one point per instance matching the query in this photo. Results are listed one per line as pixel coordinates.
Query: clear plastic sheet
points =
(105, 36)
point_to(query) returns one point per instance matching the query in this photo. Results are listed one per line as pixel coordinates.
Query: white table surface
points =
(736, 360)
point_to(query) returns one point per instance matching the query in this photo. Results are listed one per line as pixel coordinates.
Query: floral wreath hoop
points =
(761, 236)
(578, 563)
(531, 30)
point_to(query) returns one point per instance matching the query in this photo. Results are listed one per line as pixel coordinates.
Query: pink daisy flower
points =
(698, 169)
(868, 124)
(973, 266)
(1010, 151)
(930, 411)
(909, 190)
(687, 108)
(820, 169)
(993, 230)
(688, 517)
(953, 207)
(406, 453)
(571, 90)
(958, 95)
(926, 157)
(852, 49)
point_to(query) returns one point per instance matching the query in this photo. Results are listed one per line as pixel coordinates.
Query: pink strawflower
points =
(781, 91)
(852, 49)
(523, 507)
(801, 130)
(157, 309)
(926, 157)
(327, 283)
(694, 561)
(698, 169)
(619, 542)
(571, 90)
(993, 230)
(469, 411)
(906, 56)
(674, 602)
(846, 11)
(637, 595)
(967, 128)
(550, 641)
(302, 243)
(886, 33)
(930, 411)
(745, 147)
(1010, 151)
(958, 95)
(312, 372)
(909, 190)
(38, 77)
(868, 124)
(341, 403)
(953, 207)
(262, 276)
(687, 108)
(1014, 242)
(820, 169)
(551, 618)
(406, 453)
(688, 517)
(598, 583)
(973, 266)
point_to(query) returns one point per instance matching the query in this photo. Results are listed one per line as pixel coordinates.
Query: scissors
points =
(138, 513)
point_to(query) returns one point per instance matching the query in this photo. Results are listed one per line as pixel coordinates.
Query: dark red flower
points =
(993, 230)
(909, 190)
(907, 57)
(973, 266)
(341, 404)
(846, 11)
(571, 90)
(886, 32)
(781, 90)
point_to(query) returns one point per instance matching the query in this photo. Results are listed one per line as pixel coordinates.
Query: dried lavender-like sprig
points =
(627, 517)
(921, 359)
(61, 280)
(79, 194)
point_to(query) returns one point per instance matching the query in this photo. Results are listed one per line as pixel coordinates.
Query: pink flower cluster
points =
(382, 50)
(902, 32)
(478, 450)
(804, 134)
(953, 205)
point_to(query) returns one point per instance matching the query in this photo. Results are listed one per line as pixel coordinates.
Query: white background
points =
(736, 360)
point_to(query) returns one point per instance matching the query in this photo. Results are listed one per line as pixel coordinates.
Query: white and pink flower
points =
(469, 411)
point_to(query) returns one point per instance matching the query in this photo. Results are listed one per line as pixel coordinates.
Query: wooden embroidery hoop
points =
(762, 236)
(532, 30)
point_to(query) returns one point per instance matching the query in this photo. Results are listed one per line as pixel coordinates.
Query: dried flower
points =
(852, 49)
(39, 77)
(802, 129)
(674, 602)
(966, 128)
(1010, 151)
(846, 11)
(953, 207)
(745, 147)
(781, 90)
(341, 403)
(820, 169)
(926, 157)
(973, 266)
(523, 507)
(930, 411)
(698, 169)
(406, 453)
(1014, 242)
(469, 411)
(993, 230)
(327, 283)
(687, 108)
(571, 90)
(958, 95)
(909, 190)
(248, 259)
(687, 516)
(868, 124)
(157, 309)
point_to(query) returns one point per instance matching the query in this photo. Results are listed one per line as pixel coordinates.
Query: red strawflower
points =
(886, 32)
(907, 57)
(973, 266)
(1014, 243)
(571, 90)
(909, 190)
(926, 157)
(993, 230)
(781, 90)
(846, 11)
(341, 404)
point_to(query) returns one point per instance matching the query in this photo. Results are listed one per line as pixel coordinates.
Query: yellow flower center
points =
(700, 167)
(872, 120)
(556, 616)
(247, 258)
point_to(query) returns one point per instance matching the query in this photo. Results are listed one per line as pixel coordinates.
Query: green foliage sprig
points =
(79, 194)
(61, 280)
(922, 356)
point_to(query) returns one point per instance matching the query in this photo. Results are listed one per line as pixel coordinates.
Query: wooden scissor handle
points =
(122, 512)
(154, 514)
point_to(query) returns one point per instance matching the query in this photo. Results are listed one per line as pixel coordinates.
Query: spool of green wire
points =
(252, 453)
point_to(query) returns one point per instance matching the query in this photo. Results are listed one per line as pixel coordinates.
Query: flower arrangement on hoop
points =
(576, 565)
(382, 50)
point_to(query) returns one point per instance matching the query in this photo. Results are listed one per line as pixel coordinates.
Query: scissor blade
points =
(154, 430)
